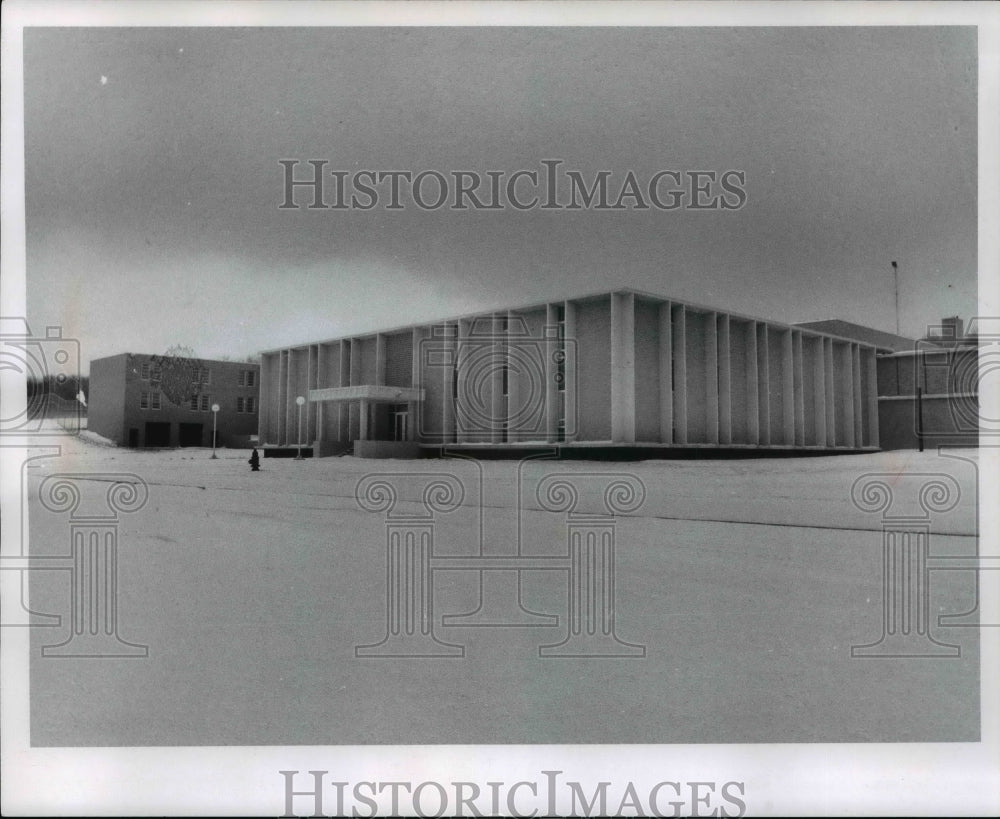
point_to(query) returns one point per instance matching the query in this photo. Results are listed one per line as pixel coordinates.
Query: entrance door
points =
(133, 437)
(400, 425)
(157, 433)
(189, 434)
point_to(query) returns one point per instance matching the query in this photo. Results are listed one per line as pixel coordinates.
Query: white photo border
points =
(808, 779)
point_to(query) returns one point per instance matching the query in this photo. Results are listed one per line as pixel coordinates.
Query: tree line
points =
(67, 388)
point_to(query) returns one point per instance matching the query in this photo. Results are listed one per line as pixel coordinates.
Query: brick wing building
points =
(142, 400)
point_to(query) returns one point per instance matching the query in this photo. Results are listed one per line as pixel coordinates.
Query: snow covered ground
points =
(747, 582)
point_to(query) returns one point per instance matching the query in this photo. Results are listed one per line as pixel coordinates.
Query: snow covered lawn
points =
(747, 581)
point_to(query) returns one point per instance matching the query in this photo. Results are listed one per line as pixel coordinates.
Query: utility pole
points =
(895, 279)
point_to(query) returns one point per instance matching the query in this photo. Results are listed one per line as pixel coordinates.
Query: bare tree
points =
(180, 373)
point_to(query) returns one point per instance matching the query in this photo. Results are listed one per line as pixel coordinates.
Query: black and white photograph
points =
(500, 409)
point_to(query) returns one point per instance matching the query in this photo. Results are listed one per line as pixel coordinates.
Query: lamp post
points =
(300, 401)
(215, 419)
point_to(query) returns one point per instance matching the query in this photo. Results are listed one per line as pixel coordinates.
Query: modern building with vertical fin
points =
(621, 369)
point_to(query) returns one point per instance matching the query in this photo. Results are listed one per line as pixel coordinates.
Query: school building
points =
(142, 400)
(929, 393)
(612, 369)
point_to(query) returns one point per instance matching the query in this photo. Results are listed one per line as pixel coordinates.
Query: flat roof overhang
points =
(586, 297)
(368, 392)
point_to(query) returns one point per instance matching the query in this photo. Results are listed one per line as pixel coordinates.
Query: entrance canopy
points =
(368, 396)
(368, 392)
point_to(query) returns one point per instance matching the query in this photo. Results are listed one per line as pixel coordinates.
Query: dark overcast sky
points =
(152, 195)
